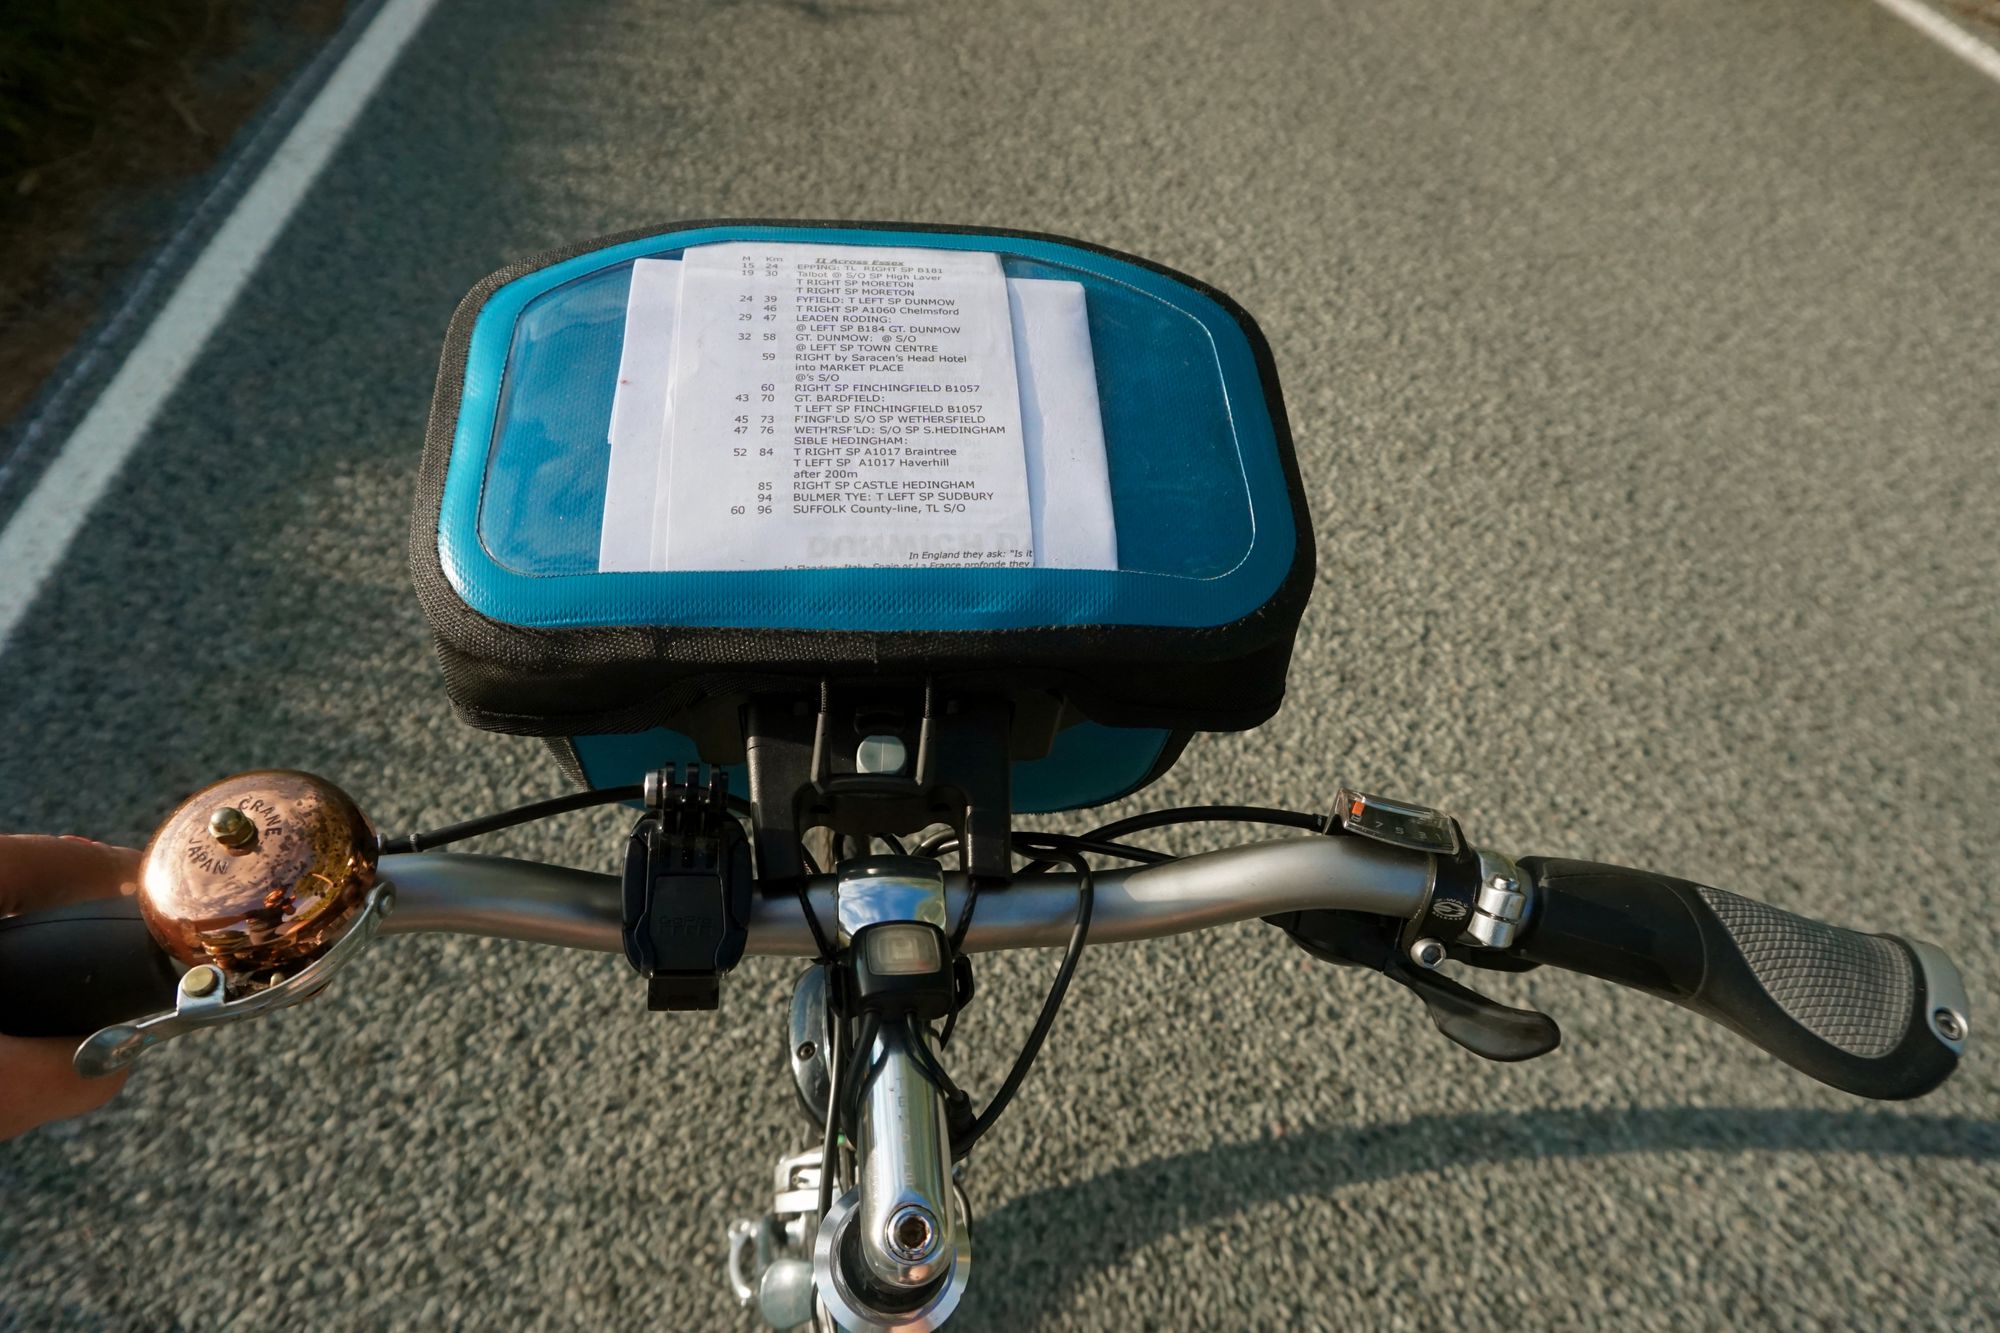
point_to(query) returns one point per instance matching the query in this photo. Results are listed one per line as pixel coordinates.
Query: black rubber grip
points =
(69, 971)
(1868, 1014)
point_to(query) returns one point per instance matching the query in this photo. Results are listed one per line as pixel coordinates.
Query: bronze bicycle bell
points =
(258, 873)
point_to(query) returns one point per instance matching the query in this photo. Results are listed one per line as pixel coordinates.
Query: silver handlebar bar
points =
(525, 900)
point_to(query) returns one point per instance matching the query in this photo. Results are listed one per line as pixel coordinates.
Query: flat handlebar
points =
(441, 892)
(1875, 1015)
(72, 971)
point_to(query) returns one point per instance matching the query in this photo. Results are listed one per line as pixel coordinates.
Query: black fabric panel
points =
(587, 681)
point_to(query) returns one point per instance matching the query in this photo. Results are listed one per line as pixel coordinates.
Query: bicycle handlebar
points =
(1873, 1015)
(524, 900)
(68, 971)
(56, 972)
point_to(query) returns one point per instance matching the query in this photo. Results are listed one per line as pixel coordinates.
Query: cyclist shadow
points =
(1031, 1252)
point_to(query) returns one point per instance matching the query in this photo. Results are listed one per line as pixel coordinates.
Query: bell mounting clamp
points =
(207, 997)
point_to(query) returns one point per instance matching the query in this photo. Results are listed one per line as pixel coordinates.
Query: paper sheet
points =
(1069, 481)
(1060, 435)
(639, 416)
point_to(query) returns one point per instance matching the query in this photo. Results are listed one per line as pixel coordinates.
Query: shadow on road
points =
(1036, 1249)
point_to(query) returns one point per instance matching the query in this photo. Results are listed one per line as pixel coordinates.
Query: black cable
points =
(965, 917)
(895, 843)
(957, 943)
(958, 940)
(1101, 840)
(871, 1026)
(525, 814)
(1027, 841)
(1025, 838)
(836, 1068)
(926, 1059)
(937, 844)
(1219, 814)
(822, 942)
(520, 814)
(1085, 894)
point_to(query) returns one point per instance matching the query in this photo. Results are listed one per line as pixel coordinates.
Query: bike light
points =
(911, 949)
(900, 968)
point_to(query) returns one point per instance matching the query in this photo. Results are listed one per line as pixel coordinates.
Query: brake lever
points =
(202, 999)
(1481, 1025)
(1484, 1026)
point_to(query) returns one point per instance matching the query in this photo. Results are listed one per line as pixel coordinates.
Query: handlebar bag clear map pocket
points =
(671, 470)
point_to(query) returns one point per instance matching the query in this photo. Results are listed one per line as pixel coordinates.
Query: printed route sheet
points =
(924, 469)
(843, 405)
(639, 416)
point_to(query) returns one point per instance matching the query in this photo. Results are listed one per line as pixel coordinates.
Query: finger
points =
(38, 871)
(38, 1084)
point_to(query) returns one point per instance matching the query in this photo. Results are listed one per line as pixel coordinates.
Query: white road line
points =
(34, 541)
(1974, 50)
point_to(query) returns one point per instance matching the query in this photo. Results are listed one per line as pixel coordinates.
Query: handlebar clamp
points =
(688, 889)
(1501, 904)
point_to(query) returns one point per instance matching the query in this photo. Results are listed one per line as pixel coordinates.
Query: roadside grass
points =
(1983, 14)
(105, 105)
(72, 72)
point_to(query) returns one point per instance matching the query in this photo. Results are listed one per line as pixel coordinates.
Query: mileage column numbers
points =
(762, 312)
(872, 410)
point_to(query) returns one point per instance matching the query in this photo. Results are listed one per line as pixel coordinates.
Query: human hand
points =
(37, 1084)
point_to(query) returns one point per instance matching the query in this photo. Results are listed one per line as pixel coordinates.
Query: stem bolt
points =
(1427, 953)
(200, 981)
(913, 1234)
(1950, 1025)
(806, 1050)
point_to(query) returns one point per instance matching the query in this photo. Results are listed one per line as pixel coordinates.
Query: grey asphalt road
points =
(1641, 363)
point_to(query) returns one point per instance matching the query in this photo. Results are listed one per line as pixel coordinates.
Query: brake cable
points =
(520, 814)
(1104, 837)
(524, 814)
(836, 1070)
(1216, 814)
(961, 1144)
